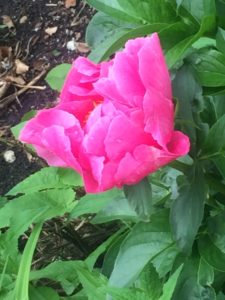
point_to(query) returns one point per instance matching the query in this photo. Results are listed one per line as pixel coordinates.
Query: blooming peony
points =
(114, 123)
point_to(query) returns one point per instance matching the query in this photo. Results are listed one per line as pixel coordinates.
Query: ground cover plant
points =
(136, 141)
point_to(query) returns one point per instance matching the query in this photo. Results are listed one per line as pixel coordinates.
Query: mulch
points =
(28, 41)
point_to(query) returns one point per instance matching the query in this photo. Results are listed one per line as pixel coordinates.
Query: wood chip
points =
(70, 3)
(8, 21)
(51, 30)
(21, 67)
(23, 19)
(82, 47)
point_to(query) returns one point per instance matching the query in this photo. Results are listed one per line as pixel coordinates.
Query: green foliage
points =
(169, 239)
(56, 77)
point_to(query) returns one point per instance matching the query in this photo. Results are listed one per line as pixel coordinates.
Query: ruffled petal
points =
(152, 66)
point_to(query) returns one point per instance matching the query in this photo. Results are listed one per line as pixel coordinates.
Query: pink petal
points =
(144, 160)
(179, 144)
(159, 116)
(152, 66)
(94, 140)
(55, 141)
(86, 67)
(123, 136)
(126, 76)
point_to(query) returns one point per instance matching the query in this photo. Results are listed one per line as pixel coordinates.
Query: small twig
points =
(36, 87)
(74, 22)
(5, 101)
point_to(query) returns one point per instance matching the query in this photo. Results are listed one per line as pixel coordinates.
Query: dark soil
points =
(34, 47)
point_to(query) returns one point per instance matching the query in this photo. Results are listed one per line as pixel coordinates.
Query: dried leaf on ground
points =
(70, 3)
(23, 19)
(51, 30)
(82, 47)
(21, 67)
(3, 88)
(15, 79)
(8, 21)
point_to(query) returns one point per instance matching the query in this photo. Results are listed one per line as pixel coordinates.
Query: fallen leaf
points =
(15, 79)
(23, 19)
(8, 21)
(3, 88)
(20, 67)
(51, 30)
(82, 47)
(70, 3)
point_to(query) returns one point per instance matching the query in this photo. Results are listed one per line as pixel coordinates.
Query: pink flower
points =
(114, 124)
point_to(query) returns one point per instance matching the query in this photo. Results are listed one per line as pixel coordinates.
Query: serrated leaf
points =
(56, 76)
(47, 178)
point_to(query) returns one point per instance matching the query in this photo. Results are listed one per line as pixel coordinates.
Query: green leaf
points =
(17, 128)
(187, 284)
(29, 115)
(64, 272)
(165, 260)
(187, 210)
(42, 293)
(179, 51)
(111, 254)
(114, 9)
(139, 197)
(115, 42)
(205, 273)
(102, 27)
(47, 178)
(198, 9)
(150, 11)
(22, 280)
(170, 285)
(150, 283)
(185, 90)
(211, 253)
(220, 296)
(92, 258)
(56, 76)
(144, 243)
(93, 203)
(214, 143)
(210, 68)
(117, 209)
(220, 40)
(37, 207)
(216, 229)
